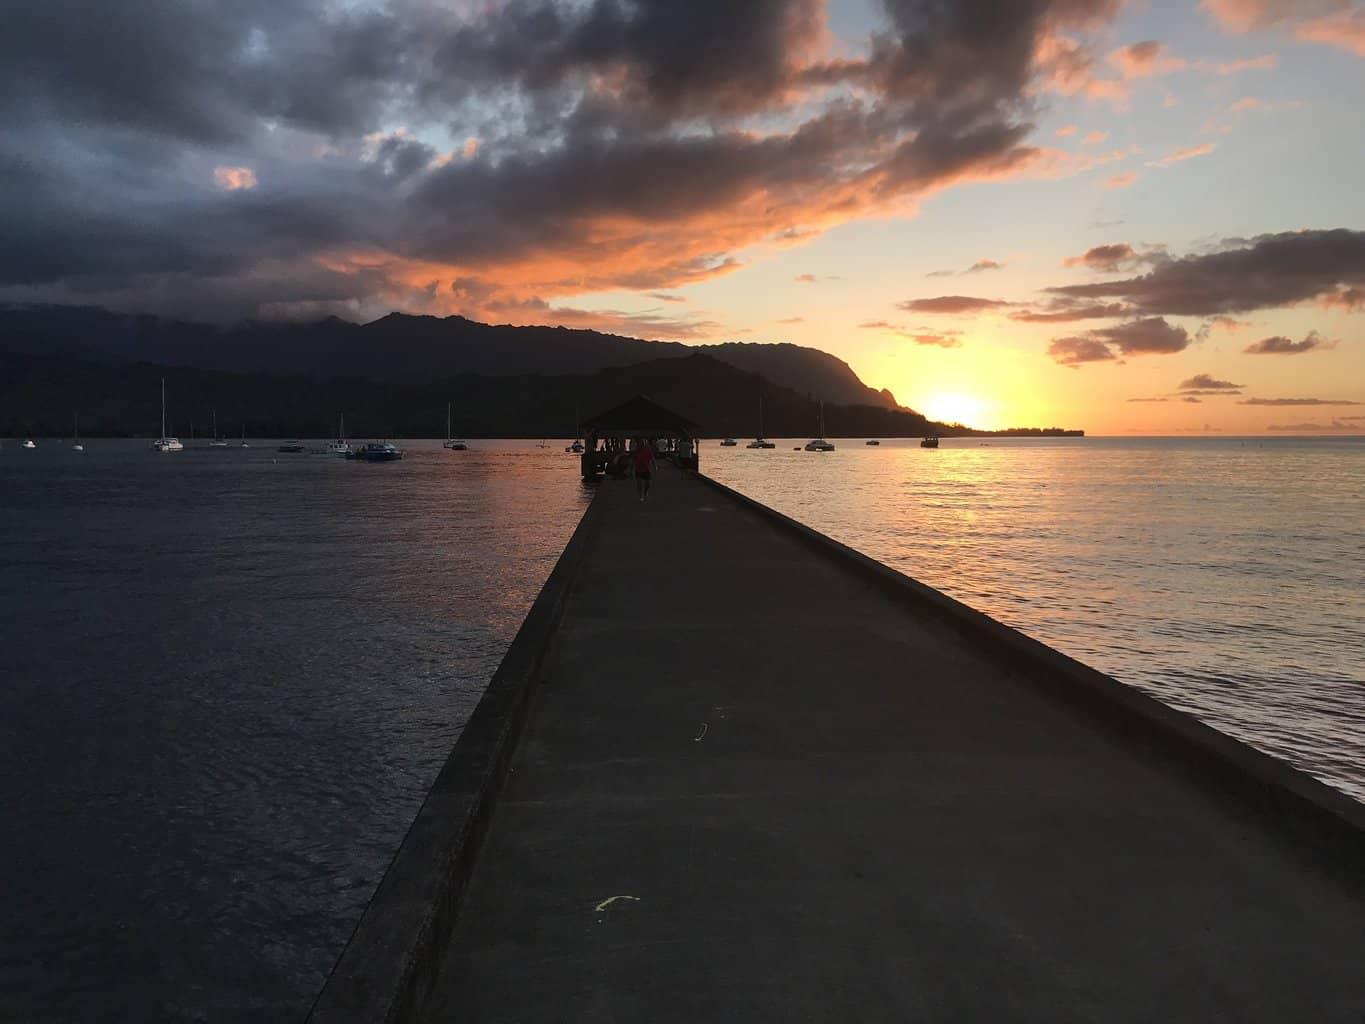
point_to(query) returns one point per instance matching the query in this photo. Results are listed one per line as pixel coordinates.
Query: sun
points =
(953, 408)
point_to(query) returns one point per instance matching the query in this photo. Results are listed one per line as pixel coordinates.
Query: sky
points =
(1139, 217)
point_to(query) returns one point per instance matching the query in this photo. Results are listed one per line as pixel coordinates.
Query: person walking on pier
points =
(642, 457)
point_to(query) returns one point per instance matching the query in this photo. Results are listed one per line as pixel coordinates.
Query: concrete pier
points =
(737, 772)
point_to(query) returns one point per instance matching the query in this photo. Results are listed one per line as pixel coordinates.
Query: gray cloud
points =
(951, 304)
(1265, 272)
(1137, 337)
(1296, 401)
(1204, 382)
(1066, 311)
(691, 130)
(1282, 346)
(1077, 350)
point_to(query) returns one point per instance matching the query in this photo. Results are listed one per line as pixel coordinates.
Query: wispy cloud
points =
(1187, 153)
(1297, 401)
(1206, 382)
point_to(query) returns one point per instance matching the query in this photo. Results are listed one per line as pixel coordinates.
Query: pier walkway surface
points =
(753, 785)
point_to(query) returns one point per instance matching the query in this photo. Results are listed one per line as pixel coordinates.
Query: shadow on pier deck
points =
(731, 771)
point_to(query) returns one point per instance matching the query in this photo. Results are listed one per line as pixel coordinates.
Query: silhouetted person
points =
(642, 456)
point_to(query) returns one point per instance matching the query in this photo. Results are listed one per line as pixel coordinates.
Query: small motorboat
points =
(576, 448)
(929, 442)
(377, 451)
(292, 447)
(28, 444)
(456, 446)
(819, 445)
(729, 442)
(873, 443)
(760, 442)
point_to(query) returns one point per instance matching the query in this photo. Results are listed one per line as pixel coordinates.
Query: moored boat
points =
(377, 451)
(929, 442)
(164, 443)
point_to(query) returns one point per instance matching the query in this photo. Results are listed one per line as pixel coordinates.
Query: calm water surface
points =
(227, 680)
(1225, 577)
(228, 677)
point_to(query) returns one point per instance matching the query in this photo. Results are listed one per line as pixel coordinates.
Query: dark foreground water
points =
(227, 679)
(1224, 576)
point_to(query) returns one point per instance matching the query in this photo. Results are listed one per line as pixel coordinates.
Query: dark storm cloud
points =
(1282, 346)
(599, 144)
(1265, 272)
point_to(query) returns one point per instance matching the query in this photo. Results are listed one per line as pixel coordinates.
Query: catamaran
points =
(820, 444)
(164, 443)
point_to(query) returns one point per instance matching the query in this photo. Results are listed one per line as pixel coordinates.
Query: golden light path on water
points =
(1225, 577)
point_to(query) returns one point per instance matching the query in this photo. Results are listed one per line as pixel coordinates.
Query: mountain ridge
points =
(403, 345)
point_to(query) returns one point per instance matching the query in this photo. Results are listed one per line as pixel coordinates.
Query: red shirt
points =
(644, 458)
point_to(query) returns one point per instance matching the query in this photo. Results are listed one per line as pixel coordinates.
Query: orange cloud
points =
(233, 179)
(1188, 153)
(1119, 181)
(1145, 59)
(1344, 30)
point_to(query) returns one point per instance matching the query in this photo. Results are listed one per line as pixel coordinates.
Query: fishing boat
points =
(217, 441)
(377, 451)
(819, 444)
(453, 444)
(164, 443)
(76, 445)
(340, 446)
(929, 442)
(760, 441)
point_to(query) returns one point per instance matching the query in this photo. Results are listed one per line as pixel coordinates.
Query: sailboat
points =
(164, 443)
(76, 445)
(820, 444)
(340, 445)
(217, 441)
(244, 444)
(451, 443)
(577, 447)
(760, 441)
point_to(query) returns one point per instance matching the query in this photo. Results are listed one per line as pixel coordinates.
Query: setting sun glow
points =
(953, 408)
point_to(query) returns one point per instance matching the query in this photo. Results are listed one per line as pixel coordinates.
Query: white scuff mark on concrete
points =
(697, 738)
(612, 899)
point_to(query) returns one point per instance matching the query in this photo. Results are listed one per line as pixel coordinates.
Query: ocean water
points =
(1224, 576)
(227, 679)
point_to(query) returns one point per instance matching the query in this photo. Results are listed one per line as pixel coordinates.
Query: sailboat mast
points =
(760, 415)
(163, 406)
(448, 404)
